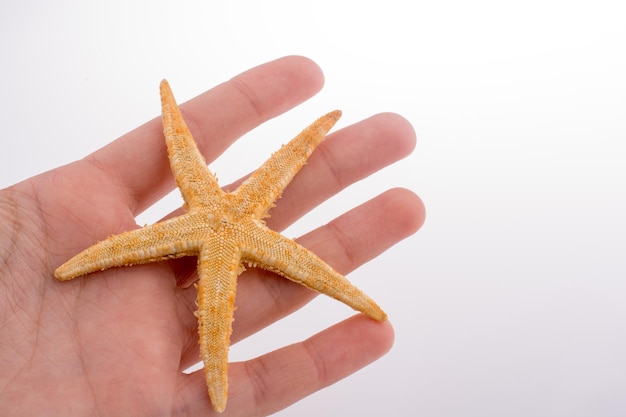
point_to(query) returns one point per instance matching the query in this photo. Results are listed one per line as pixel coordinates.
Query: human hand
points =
(116, 343)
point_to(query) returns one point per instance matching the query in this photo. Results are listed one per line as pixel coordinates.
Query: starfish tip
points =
(335, 114)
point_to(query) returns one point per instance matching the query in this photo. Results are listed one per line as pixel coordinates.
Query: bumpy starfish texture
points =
(225, 231)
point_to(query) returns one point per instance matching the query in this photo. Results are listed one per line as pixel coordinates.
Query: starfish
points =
(225, 231)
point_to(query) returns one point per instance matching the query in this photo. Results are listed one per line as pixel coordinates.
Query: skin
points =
(116, 342)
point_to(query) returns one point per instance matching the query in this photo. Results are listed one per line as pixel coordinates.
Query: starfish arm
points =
(258, 193)
(272, 251)
(196, 183)
(218, 268)
(151, 243)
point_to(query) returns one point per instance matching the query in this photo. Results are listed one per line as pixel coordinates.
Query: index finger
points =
(137, 162)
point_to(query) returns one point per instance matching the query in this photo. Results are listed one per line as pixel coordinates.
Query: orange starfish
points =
(224, 230)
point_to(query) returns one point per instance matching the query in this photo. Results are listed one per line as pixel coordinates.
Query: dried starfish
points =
(224, 230)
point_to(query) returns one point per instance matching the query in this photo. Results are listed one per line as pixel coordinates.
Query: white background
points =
(511, 299)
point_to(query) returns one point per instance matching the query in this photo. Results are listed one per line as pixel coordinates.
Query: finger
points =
(137, 162)
(343, 158)
(345, 243)
(271, 382)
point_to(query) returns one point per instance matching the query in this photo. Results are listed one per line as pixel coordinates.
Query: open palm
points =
(116, 342)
